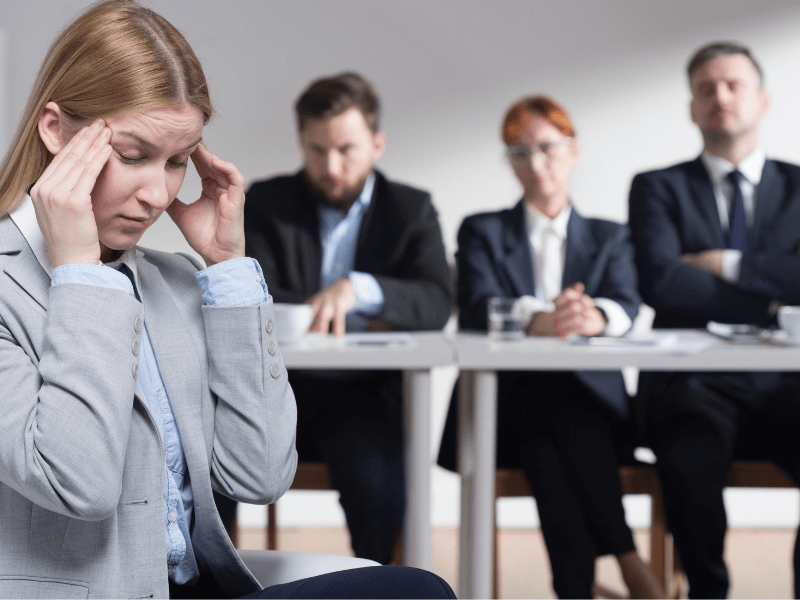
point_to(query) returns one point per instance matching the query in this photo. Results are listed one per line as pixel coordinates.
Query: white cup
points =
(292, 320)
(789, 320)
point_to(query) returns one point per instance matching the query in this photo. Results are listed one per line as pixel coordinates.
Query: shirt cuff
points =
(98, 275)
(235, 282)
(618, 320)
(731, 265)
(527, 306)
(369, 295)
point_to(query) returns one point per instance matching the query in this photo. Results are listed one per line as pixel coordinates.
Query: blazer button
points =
(135, 347)
(271, 347)
(137, 324)
(268, 326)
(135, 370)
(274, 370)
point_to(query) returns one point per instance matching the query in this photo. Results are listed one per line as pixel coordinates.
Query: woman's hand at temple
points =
(214, 224)
(62, 197)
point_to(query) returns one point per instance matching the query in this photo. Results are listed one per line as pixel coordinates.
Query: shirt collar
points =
(366, 194)
(24, 216)
(751, 166)
(537, 222)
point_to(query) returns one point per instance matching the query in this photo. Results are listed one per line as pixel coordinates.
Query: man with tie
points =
(717, 239)
(367, 254)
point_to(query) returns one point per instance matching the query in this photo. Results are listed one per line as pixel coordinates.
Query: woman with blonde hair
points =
(135, 381)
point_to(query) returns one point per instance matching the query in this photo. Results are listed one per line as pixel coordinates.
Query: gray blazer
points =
(81, 459)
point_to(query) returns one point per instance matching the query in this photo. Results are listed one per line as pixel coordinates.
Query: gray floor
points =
(759, 559)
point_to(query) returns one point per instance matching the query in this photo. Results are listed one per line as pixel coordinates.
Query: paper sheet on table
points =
(380, 340)
(652, 343)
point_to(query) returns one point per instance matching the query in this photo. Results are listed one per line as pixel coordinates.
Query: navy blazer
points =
(494, 259)
(674, 211)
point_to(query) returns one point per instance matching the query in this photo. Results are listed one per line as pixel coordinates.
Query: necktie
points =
(125, 270)
(551, 264)
(737, 221)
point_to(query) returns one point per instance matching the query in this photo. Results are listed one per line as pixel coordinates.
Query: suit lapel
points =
(771, 191)
(309, 247)
(703, 190)
(371, 238)
(177, 357)
(580, 254)
(25, 270)
(518, 261)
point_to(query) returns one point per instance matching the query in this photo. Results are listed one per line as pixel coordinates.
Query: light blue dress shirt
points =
(338, 232)
(237, 282)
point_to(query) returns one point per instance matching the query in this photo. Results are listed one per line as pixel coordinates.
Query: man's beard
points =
(345, 199)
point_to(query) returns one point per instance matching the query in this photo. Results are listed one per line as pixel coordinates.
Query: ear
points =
(51, 127)
(693, 111)
(575, 149)
(766, 102)
(379, 144)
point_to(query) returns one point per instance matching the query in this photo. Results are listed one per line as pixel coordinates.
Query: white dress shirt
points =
(548, 244)
(718, 169)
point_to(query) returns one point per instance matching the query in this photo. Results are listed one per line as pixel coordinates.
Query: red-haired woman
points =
(570, 275)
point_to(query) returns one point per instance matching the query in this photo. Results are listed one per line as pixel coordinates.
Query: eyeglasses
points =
(521, 155)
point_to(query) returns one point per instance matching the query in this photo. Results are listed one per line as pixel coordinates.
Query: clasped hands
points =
(575, 313)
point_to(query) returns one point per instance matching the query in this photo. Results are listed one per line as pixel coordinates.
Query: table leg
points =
(477, 412)
(417, 398)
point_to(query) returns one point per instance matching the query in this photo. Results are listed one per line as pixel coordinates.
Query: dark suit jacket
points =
(400, 243)
(494, 259)
(673, 211)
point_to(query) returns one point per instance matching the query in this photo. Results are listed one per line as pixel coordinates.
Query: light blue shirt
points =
(338, 232)
(237, 282)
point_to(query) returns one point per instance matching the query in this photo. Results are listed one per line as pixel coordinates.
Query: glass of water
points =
(505, 319)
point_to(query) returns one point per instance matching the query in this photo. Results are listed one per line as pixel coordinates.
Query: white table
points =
(416, 357)
(479, 360)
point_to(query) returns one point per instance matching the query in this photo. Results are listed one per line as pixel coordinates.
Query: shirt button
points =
(274, 370)
(271, 347)
(268, 326)
(135, 347)
(173, 516)
(135, 370)
(137, 324)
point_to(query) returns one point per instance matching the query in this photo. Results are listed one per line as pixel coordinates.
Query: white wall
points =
(446, 71)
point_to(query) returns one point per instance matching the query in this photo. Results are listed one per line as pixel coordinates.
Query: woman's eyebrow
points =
(144, 142)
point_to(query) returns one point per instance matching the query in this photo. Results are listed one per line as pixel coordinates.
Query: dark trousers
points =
(567, 443)
(354, 423)
(366, 582)
(227, 510)
(697, 426)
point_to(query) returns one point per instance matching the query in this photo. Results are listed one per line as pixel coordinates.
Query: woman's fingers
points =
(209, 165)
(93, 165)
(73, 151)
(74, 175)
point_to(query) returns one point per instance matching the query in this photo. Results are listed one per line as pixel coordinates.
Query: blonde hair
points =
(116, 57)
